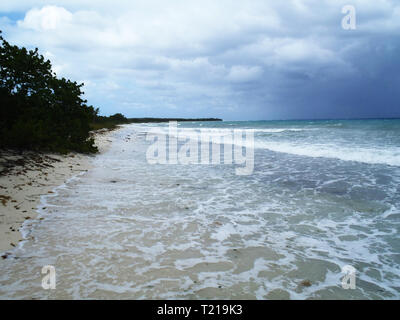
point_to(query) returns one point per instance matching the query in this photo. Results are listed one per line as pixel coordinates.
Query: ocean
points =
(322, 195)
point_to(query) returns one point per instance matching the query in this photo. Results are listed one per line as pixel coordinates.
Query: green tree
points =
(37, 109)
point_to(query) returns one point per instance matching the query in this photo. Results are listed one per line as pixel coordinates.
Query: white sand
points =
(22, 186)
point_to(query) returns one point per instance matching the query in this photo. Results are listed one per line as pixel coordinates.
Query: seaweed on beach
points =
(18, 161)
(4, 199)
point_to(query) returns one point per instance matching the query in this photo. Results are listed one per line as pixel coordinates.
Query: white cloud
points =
(244, 73)
(47, 18)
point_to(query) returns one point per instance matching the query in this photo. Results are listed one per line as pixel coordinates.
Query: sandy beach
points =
(26, 176)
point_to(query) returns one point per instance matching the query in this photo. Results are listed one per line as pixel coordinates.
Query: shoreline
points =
(32, 175)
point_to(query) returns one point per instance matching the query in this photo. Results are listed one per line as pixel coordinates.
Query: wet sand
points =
(26, 176)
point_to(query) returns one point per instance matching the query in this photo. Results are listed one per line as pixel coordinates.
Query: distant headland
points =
(144, 120)
(111, 122)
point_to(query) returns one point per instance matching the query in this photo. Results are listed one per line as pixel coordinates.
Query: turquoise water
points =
(367, 141)
(323, 194)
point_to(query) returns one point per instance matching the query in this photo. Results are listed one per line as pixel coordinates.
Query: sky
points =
(236, 60)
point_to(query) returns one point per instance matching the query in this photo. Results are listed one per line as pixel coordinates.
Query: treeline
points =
(146, 120)
(39, 111)
(111, 122)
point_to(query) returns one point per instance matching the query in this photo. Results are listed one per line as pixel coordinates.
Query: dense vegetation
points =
(110, 122)
(38, 110)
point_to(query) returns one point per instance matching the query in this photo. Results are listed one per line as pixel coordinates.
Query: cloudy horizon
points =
(233, 60)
